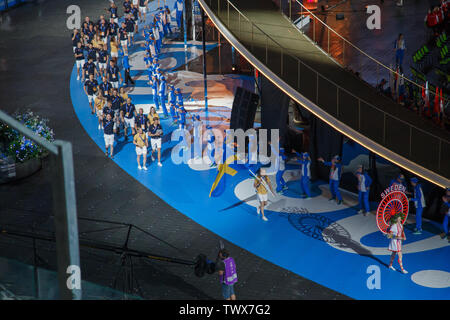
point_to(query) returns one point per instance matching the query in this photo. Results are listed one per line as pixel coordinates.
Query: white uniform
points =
(396, 244)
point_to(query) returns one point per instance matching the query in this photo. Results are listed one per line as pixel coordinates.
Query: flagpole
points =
(263, 182)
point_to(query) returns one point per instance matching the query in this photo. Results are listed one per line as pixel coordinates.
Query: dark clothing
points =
(79, 51)
(116, 102)
(106, 111)
(141, 120)
(128, 109)
(153, 129)
(91, 86)
(108, 126)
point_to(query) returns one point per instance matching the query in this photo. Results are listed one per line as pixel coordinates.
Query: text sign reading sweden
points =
(394, 201)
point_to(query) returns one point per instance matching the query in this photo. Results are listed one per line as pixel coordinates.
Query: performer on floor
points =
(178, 7)
(364, 182)
(305, 171)
(419, 203)
(397, 235)
(154, 85)
(162, 95)
(281, 166)
(179, 96)
(172, 101)
(399, 180)
(262, 182)
(335, 177)
(167, 20)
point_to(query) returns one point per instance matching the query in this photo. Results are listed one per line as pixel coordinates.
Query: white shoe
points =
(99, 127)
(265, 219)
(392, 268)
(404, 271)
(144, 167)
(139, 167)
(360, 211)
(78, 78)
(258, 210)
(153, 158)
(160, 164)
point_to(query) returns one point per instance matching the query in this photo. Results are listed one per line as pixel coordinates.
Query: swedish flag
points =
(224, 169)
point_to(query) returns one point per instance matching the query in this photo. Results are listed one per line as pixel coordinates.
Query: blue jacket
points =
(338, 167)
(126, 64)
(419, 199)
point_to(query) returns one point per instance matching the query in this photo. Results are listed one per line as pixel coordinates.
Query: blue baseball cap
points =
(336, 157)
(415, 180)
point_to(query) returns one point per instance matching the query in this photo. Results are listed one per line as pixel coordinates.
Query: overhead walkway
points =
(308, 75)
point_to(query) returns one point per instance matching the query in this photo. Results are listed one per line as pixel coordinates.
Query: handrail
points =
(319, 112)
(332, 82)
(364, 53)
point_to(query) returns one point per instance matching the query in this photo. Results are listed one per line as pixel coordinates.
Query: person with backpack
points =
(364, 182)
(226, 268)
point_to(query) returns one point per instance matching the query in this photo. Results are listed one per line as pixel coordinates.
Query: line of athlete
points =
(101, 54)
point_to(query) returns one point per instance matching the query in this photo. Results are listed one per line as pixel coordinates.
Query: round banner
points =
(394, 202)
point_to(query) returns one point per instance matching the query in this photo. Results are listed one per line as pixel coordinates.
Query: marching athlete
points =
(335, 177)
(108, 133)
(397, 235)
(261, 183)
(141, 142)
(156, 133)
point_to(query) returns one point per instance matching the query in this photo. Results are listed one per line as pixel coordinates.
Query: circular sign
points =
(393, 203)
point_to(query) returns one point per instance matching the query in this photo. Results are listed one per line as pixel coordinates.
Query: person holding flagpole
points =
(262, 185)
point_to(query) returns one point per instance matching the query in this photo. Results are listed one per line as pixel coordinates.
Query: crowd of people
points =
(101, 53)
(363, 183)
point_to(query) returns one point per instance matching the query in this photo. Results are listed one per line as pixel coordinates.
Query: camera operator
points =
(226, 268)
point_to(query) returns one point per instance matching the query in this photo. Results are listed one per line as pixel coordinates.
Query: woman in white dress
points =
(397, 235)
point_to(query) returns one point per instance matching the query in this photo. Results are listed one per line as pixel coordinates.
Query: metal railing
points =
(64, 204)
(339, 108)
(337, 47)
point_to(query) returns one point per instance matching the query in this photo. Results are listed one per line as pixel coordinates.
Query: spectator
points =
(399, 48)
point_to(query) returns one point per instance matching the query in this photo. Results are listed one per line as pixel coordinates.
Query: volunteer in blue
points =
(419, 203)
(364, 182)
(335, 177)
(305, 171)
